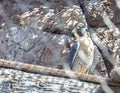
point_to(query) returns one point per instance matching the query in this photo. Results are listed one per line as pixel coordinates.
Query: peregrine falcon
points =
(81, 53)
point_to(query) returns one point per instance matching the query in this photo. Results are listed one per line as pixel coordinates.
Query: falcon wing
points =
(72, 54)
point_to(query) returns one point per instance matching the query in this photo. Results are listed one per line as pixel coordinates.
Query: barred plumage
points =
(78, 65)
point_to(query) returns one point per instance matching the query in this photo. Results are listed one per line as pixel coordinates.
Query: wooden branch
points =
(53, 72)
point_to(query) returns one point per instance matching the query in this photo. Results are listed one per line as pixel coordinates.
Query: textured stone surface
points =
(34, 32)
(95, 9)
(111, 40)
(13, 81)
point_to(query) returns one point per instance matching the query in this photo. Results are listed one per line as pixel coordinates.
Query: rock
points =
(94, 11)
(111, 40)
(115, 74)
(39, 35)
(18, 81)
(35, 32)
(2, 51)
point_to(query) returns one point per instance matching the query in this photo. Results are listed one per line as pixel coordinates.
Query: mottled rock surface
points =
(37, 32)
(13, 81)
(103, 16)
(95, 9)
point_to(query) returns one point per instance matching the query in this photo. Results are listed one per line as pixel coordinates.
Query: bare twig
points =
(53, 72)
